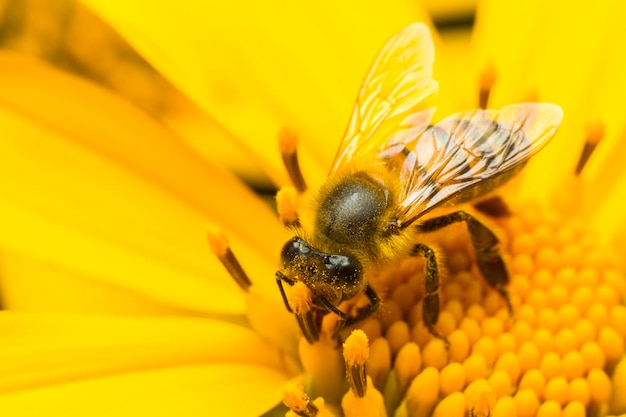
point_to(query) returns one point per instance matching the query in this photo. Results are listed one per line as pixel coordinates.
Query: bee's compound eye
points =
(293, 248)
(345, 269)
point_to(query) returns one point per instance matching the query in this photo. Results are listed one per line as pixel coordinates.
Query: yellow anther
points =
(220, 247)
(356, 353)
(287, 206)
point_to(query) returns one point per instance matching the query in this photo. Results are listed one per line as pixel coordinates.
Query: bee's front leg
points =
(280, 277)
(362, 313)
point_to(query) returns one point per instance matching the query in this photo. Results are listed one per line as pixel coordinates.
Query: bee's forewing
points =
(470, 147)
(397, 85)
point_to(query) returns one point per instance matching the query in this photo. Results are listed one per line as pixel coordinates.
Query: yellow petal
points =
(30, 283)
(458, 85)
(74, 208)
(124, 136)
(559, 54)
(200, 390)
(37, 350)
(72, 37)
(259, 66)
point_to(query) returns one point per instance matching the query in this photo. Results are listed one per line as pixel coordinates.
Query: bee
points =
(392, 168)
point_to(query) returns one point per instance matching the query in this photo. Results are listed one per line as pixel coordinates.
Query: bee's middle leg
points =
(430, 308)
(485, 244)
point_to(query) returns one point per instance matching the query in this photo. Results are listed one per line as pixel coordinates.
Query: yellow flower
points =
(112, 171)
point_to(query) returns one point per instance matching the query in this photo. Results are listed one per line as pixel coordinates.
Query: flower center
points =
(563, 347)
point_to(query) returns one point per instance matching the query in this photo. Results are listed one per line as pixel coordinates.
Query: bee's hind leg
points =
(485, 244)
(430, 308)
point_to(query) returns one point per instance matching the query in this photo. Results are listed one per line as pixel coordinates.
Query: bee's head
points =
(333, 277)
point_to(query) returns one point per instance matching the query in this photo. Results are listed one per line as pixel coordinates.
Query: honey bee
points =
(391, 169)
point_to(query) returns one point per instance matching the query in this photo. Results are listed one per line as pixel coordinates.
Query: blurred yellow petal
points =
(38, 350)
(301, 78)
(75, 208)
(71, 37)
(200, 390)
(564, 55)
(129, 137)
(30, 283)
(458, 84)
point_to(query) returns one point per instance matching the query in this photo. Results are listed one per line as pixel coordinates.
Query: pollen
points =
(560, 352)
(286, 205)
(356, 352)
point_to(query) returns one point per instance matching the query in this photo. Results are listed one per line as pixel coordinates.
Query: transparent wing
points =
(393, 91)
(466, 149)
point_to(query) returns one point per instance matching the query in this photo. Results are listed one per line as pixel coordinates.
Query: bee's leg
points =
(363, 312)
(280, 277)
(367, 310)
(485, 244)
(430, 309)
(343, 317)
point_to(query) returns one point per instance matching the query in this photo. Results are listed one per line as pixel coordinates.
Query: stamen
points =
(452, 378)
(595, 133)
(480, 398)
(600, 386)
(219, 245)
(325, 368)
(423, 393)
(526, 402)
(363, 399)
(300, 299)
(407, 365)
(296, 399)
(371, 405)
(618, 399)
(286, 203)
(485, 84)
(288, 142)
(505, 406)
(556, 390)
(379, 364)
(356, 352)
(451, 405)
(533, 380)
